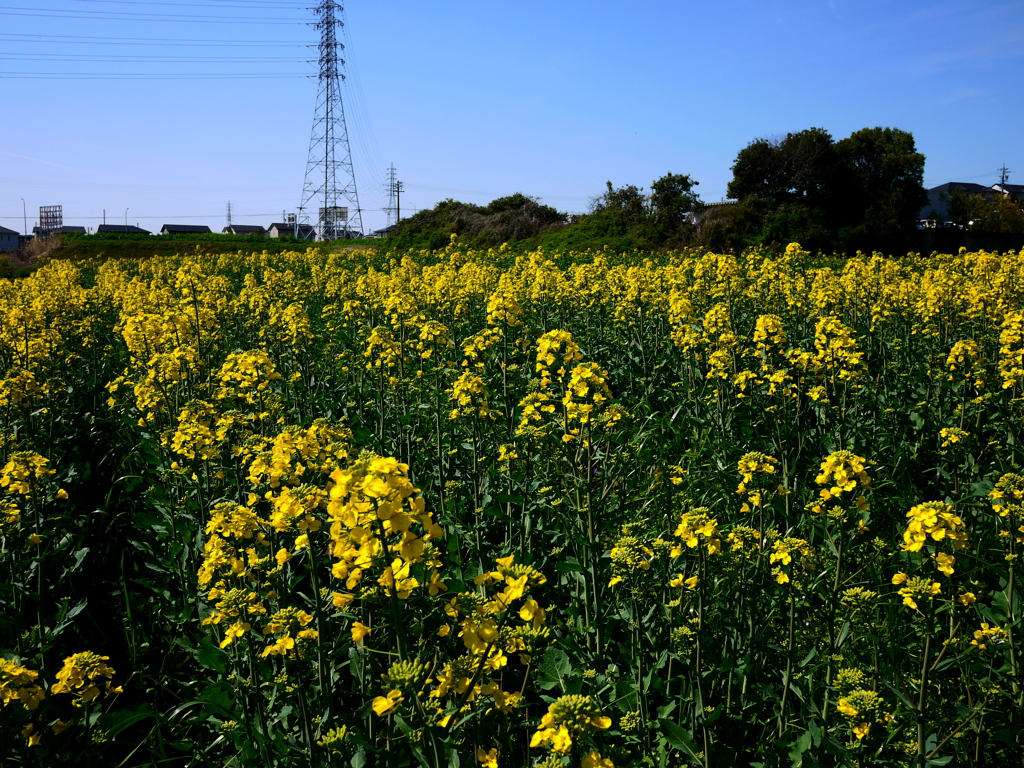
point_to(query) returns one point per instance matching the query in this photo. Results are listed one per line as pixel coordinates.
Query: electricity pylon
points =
(330, 185)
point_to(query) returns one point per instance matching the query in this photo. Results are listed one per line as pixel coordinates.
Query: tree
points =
(628, 201)
(789, 189)
(672, 198)
(885, 192)
(506, 219)
(1000, 213)
(801, 167)
(864, 191)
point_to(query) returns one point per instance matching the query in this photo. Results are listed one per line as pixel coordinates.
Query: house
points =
(8, 239)
(386, 232)
(938, 197)
(62, 230)
(1013, 191)
(245, 229)
(121, 229)
(185, 229)
(302, 231)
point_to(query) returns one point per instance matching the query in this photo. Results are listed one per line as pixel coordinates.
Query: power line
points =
(243, 4)
(98, 40)
(108, 76)
(90, 57)
(50, 13)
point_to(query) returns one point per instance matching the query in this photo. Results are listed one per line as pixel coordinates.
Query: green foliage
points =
(506, 219)
(997, 213)
(622, 219)
(885, 173)
(861, 193)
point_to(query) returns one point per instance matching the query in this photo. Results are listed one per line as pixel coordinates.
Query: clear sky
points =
(171, 109)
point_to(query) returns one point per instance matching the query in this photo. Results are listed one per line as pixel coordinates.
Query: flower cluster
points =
(246, 376)
(989, 634)
(913, 589)
(782, 554)
(629, 555)
(697, 527)
(965, 359)
(18, 683)
(82, 675)
(844, 477)
(490, 636)
(753, 468)
(556, 348)
(372, 509)
(569, 719)
(23, 471)
(470, 395)
(935, 522)
(862, 708)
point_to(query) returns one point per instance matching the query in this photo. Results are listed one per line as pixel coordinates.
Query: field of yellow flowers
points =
(479, 509)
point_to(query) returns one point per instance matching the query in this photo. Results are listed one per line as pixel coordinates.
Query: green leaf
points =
(796, 754)
(679, 737)
(211, 656)
(667, 710)
(553, 669)
(625, 695)
(569, 565)
(79, 557)
(843, 634)
(815, 732)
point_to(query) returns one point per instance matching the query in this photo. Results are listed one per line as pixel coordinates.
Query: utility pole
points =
(330, 176)
(1004, 174)
(394, 208)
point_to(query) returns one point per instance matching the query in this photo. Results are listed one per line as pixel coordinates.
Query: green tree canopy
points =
(505, 219)
(886, 190)
(998, 213)
(864, 191)
(801, 167)
(672, 199)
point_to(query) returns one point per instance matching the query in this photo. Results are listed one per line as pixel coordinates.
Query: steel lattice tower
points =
(330, 186)
(392, 195)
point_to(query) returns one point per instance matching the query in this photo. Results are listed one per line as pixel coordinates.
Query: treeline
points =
(863, 192)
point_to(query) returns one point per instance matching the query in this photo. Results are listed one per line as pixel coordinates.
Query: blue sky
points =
(474, 100)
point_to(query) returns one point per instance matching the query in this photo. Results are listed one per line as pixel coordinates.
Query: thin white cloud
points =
(37, 160)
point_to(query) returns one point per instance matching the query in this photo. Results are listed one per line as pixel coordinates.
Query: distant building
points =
(8, 239)
(121, 229)
(302, 231)
(938, 197)
(64, 229)
(1014, 191)
(383, 232)
(245, 229)
(709, 209)
(185, 229)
